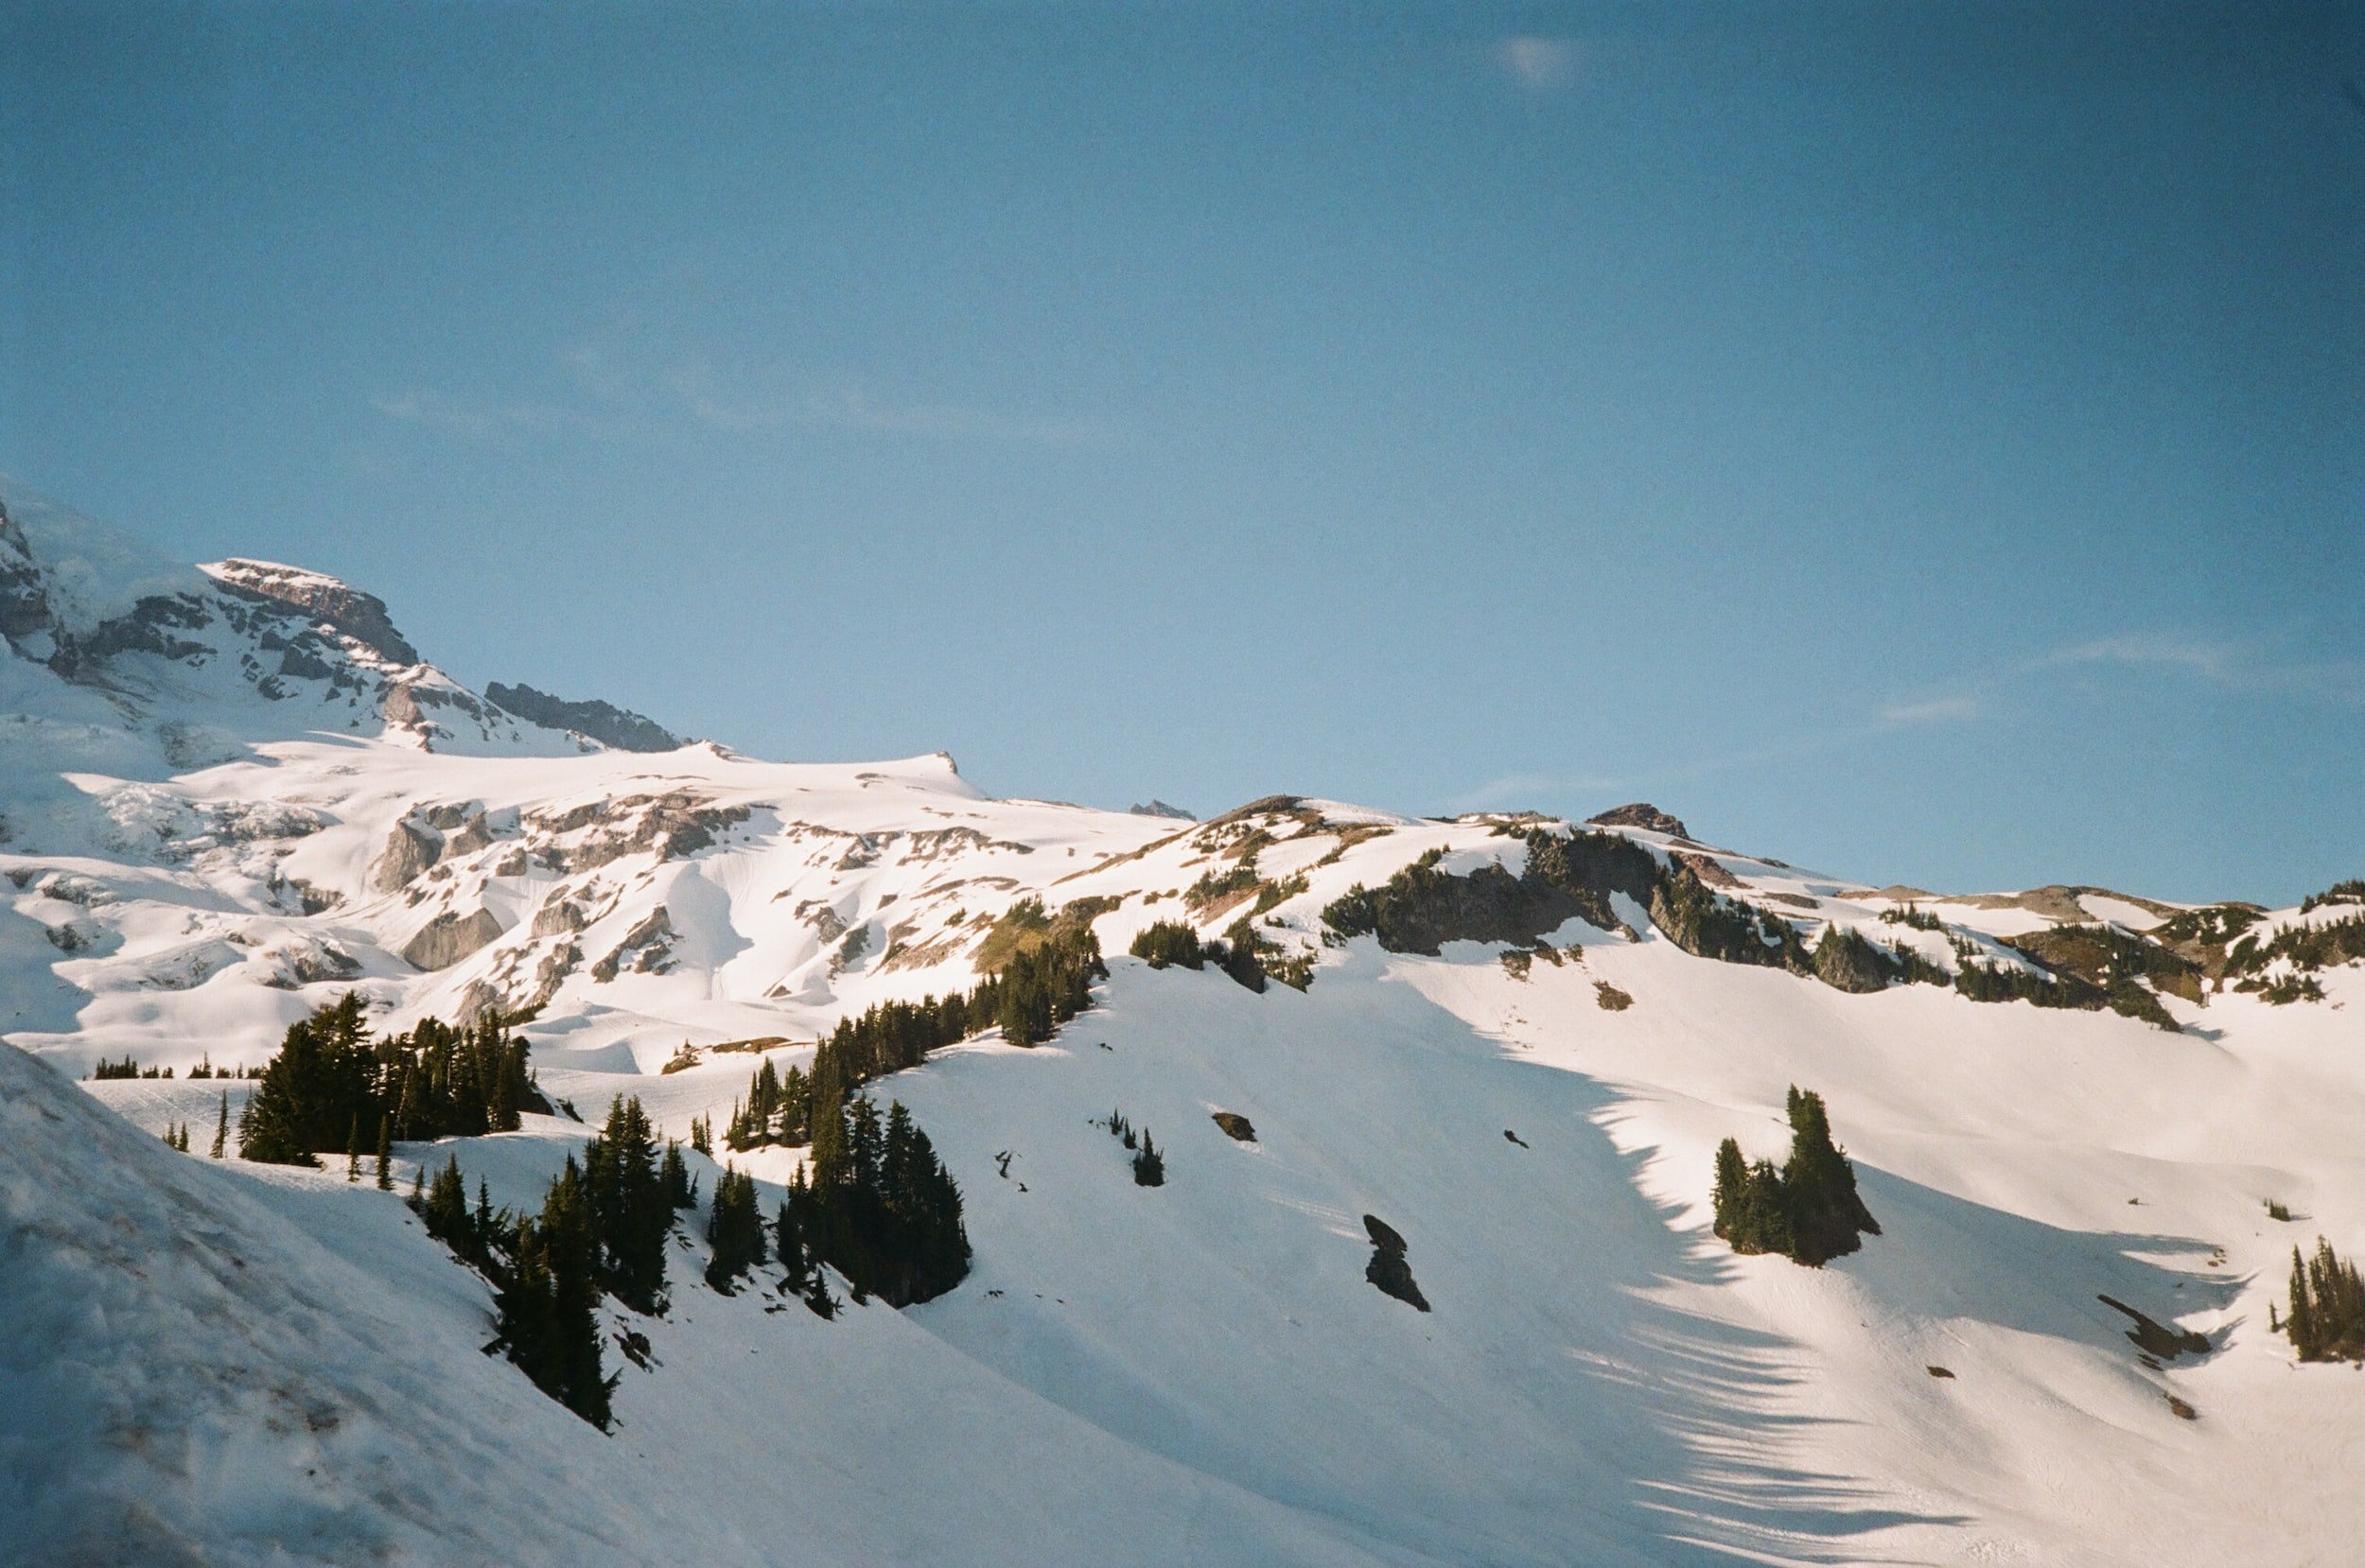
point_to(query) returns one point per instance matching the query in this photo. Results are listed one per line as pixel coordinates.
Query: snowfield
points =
(218, 815)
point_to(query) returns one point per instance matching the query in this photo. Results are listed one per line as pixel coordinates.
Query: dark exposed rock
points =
(1642, 815)
(1388, 1270)
(359, 615)
(411, 848)
(649, 945)
(474, 834)
(1156, 808)
(311, 964)
(1421, 907)
(1846, 961)
(558, 915)
(450, 937)
(676, 825)
(851, 951)
(2156, 1338)
(1235, 1127)
(603, 721)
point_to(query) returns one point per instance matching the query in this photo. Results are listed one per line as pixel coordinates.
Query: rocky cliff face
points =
(603, 721)
(357, 615)
(144, 667)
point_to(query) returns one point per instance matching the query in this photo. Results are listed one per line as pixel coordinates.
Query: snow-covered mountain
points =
(231, 794)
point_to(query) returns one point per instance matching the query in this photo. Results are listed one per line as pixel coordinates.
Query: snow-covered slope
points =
(1196, 1372)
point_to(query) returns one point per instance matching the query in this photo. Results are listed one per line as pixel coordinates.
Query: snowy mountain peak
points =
(326, 599)
(1498, 1054)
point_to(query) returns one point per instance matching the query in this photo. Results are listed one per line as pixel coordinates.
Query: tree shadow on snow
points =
(1711, 1464)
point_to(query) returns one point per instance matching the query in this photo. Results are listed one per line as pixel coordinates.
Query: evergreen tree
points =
(630, 1207)
(445, 1212)
(353, 1150)
(1808, 1209)
(2301, 1320)
(734, 1229)
(1164, 942)
(883, 1210)
(385, 1172)
(221, 1128)
(674, 1177)
(1825, 1214)
(1732, 1185)
(2327, 1318)
(1149, 1166)
(547, 1305)
(788, 1246)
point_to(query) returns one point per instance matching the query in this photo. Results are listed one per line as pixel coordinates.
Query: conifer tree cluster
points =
(734, 1229)
(547, 1297)
(1037, 989)
(1807, 1211)
(545, 1270)
(632, 1204)
(1149, 1166)
(2327, 1318)
(880, 1207)
(332, 1078)
(1042, 988)
(106, 1070)
(177, 1137)
(1164, 942)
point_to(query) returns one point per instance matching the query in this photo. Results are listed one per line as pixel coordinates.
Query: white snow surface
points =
(233, 1363)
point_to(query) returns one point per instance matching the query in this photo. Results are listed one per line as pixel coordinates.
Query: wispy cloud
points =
(597, 390)
(704, 397)
(2228, 665)
(1538, 64)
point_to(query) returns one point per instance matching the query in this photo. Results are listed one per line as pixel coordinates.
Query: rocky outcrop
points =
(1236, 1127)
(603, 721)
(1156, 808)
(310, 963)
(1388, 1268)
(675, 826)
(559, 915)
(450, 937)
(411, 848)
(1643, 814)
(648, 947)
(1421, 907)
(359, 615)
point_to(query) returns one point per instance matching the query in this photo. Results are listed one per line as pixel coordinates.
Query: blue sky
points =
(1923, 442)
